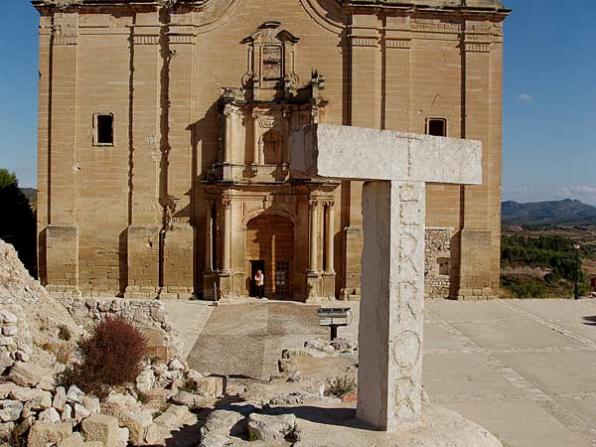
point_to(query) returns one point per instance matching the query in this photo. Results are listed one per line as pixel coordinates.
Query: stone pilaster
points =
(366, 101)
(62, 258)
(329, 267)
(313, 277)
(225, 269)
(143, 261)
(390, 353)
(62, 235)
(178, 260)
(397, 88)
(208, 239)
(43, 139)
(229, 134)
(329, 237)
(475, 238)
(145, 211)
(257, 152)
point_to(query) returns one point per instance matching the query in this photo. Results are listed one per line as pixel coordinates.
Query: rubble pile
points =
(38, 343)
(31, 320)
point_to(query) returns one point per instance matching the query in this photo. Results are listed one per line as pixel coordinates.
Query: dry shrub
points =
(112, 356)
(340, 386)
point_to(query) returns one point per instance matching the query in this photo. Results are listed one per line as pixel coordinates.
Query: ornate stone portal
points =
(260, 217)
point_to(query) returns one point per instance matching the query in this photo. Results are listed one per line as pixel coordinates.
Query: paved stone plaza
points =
(526, 370)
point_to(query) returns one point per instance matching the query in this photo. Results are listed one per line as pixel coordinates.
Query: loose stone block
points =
(42, 434)
(101, 428)
(8, 317)
(50, 416)
(74, 394)
(10, 410)
(26, 374)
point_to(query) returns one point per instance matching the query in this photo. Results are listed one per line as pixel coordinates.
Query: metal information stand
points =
(335, 317)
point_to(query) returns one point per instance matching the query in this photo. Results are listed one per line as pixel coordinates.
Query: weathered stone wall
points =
(168, 133)
(149, 316)
(437, 263)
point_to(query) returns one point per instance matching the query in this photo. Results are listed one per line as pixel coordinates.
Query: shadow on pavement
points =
(590, 321)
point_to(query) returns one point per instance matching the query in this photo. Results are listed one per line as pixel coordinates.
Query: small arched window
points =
(272, 148)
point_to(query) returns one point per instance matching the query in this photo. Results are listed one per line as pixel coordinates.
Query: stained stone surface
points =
(355, 153)
(393, 261)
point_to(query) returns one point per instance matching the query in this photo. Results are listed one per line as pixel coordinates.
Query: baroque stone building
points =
(164, 140)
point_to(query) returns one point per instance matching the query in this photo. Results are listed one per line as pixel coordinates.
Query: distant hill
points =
(31, 194)
(562, 212)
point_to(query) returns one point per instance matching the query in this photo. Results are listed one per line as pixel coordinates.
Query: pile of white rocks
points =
(317, 348)
(38, 341)
(244, 425)
(32, 407)
(15, 345)
(30, 319)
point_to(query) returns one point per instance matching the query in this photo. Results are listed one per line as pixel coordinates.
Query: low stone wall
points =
(149, 316)
(437, 271)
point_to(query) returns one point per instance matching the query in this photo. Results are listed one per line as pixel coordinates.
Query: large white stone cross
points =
(395, 167)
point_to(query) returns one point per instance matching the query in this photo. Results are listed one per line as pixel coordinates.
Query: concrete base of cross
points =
(335, 427)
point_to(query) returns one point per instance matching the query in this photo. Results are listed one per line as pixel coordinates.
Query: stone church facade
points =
(164, 141)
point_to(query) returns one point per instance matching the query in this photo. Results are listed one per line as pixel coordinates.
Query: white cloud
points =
(585, 193)
(525, 97)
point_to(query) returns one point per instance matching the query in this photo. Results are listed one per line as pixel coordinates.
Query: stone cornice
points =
(470, 5)
(69, 4)
(421, 8)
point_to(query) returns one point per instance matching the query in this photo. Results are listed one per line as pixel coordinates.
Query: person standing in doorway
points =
(259, 283)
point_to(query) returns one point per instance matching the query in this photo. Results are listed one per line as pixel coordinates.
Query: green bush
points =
(526, 287)
(553, 252)
(19, 225)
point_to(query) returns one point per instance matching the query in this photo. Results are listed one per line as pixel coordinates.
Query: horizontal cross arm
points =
(353, 153)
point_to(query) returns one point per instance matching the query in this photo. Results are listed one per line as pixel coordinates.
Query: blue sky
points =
(549, 149)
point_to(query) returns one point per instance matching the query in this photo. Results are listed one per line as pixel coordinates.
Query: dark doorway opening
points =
(254, 266)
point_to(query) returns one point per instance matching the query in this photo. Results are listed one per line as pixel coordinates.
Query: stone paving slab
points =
(524, 369)
(247, 339)
(520, 424)
(510, 335)
(556, 372)
(543, 348)
(468, 378)
(189, 317)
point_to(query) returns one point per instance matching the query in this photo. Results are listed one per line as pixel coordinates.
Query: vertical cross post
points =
(389, 387)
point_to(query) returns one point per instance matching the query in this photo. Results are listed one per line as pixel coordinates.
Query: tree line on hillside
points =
(555, 254)
(18, 221)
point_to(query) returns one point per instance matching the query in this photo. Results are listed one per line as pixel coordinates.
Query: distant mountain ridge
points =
(561, 212)
(31, 194)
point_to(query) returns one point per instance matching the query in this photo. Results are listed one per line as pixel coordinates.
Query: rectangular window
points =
(104, 129)
(436, 127)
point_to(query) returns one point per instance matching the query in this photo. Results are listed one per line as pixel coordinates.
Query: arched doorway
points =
(270, 247)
